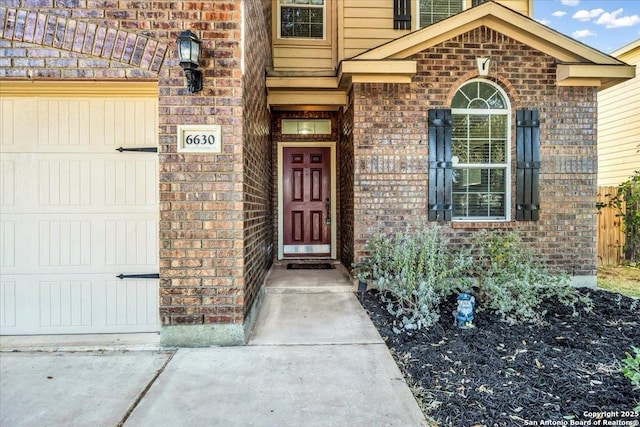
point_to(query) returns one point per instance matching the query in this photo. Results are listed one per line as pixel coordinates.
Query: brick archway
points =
(504, 83)
(59, 32)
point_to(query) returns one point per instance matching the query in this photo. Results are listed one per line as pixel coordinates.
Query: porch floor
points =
(281, 280)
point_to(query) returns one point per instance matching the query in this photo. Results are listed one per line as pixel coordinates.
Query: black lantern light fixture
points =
(189, 51)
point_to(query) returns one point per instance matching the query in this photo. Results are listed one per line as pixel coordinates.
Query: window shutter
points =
(402, 14)
(440, 166)
(527, 165)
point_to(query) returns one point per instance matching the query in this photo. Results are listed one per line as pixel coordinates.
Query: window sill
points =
(475, 225)
(294, 41)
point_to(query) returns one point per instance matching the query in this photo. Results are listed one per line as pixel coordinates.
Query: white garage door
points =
(75, 213)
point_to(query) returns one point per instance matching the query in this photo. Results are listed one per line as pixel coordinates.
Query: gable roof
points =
(578, 64)
(497, 17)
(629, 53)
(392, 62)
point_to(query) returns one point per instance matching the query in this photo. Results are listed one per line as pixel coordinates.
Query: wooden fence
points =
(610, 235)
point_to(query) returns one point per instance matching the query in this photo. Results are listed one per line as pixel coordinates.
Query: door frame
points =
(333, 189)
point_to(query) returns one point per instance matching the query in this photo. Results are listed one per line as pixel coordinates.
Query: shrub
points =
(631, 369)
(414, 271)
(512, 284)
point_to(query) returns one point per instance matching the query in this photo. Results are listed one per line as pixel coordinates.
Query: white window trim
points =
(324, 22)
(507, 165)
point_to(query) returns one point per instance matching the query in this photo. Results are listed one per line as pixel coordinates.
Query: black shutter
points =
(440, 166)
(402, 14)
(527, 165)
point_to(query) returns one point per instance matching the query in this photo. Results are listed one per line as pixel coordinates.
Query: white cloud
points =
(570, 2)
(544, 21)
(611, 20)
(559, 13)
(585, 15)
(580, 34)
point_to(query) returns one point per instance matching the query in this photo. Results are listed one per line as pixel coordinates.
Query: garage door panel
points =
(71, 243)
(18, 122)
(63, 122)
(7, 182)
(77, 304)
(65, 303)
(52, 183)
(131, 243)
(64, 181)
(76, 213)
(8, 307)
(7, 244)
(70, 125)
(128, 181)
(132, 302)
(64, 243)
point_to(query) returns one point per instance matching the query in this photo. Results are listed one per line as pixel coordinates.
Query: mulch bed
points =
(566, 370)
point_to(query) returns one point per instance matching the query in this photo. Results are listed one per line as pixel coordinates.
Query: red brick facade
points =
(215, 210)
(218, 212)
(346, 187)
(391, 150)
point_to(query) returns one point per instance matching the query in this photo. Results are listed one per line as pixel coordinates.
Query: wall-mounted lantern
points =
(189, 53)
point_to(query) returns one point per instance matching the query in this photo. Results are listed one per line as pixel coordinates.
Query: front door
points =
(306, 199)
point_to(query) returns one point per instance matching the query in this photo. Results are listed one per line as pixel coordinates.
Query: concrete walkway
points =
(313, 359)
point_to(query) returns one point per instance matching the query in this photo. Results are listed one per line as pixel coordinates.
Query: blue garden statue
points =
(464, 313)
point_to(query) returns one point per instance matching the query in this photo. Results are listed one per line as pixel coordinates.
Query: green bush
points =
(631, 369)
(512, 284)
(414, 271)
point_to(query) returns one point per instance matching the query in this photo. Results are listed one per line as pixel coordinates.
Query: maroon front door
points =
(306, 200)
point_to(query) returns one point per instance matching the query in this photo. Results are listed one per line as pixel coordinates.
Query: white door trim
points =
(334, 231)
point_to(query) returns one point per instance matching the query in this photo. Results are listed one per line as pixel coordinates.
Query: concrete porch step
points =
(283, 281)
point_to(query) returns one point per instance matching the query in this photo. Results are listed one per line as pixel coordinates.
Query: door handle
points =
(328, 216)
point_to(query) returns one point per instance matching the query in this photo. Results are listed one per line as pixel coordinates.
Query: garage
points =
(79, 208)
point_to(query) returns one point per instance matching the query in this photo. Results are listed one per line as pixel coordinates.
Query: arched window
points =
(480, 114)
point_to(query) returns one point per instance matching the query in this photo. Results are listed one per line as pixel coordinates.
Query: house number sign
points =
(199, 139)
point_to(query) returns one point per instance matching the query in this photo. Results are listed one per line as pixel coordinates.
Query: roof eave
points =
(497, 17)
(376, 71)
(601, 76)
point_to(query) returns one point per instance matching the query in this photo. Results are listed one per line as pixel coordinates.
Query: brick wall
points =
(390, 150)
(201, 221)
(258, 163)
(209, 275)
(345, 188)
(390, 143)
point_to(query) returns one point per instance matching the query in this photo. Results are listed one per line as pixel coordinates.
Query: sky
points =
(606, 25)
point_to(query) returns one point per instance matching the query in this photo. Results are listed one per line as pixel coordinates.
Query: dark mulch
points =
(501, 375)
